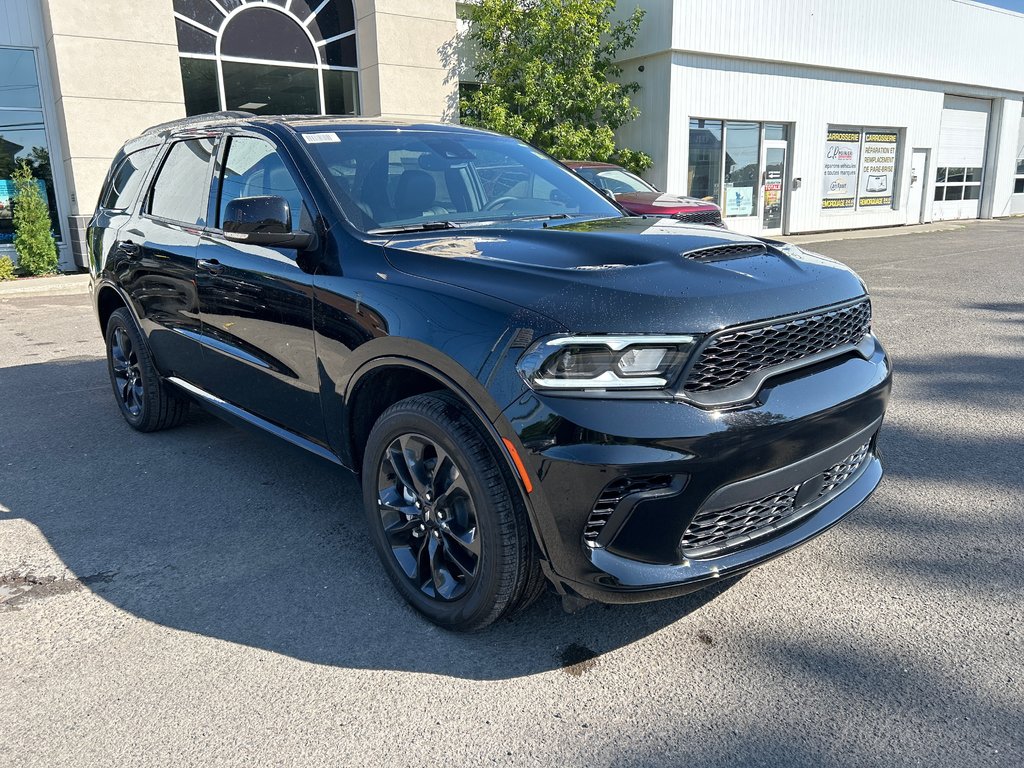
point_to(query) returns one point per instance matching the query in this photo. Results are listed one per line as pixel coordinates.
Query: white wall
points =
(815, 63)
(810, 99)
(944, 40)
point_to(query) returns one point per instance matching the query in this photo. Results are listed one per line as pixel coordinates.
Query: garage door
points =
(961, 158)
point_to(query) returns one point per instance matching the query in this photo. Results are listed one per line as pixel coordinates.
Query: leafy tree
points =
(33, 238)
(548, 76)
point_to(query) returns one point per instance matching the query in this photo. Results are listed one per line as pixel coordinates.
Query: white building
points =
(812, 115)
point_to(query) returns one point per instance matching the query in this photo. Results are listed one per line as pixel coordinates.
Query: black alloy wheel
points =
(445, 514)
(124, 367)
(146, 401)
(428, 516)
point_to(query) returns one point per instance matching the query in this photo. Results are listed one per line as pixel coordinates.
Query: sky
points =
(1013, 5)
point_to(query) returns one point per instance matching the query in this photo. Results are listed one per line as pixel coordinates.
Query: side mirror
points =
(264, 220)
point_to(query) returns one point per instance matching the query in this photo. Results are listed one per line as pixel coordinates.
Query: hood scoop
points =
(722, 252)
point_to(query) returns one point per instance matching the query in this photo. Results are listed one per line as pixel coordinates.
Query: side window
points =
(127, 179)
(253, 169)
(180, 192)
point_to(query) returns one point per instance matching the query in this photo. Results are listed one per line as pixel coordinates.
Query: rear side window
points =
(127, 179)
(181, 190)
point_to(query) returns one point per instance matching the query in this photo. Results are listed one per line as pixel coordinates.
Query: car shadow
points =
(210, 529)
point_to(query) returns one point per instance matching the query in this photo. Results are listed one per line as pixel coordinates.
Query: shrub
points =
(6, 268)
(33, 236)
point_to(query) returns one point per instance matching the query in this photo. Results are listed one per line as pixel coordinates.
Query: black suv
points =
(532, 386)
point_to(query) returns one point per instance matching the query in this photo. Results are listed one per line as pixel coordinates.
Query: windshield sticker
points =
(321, 138)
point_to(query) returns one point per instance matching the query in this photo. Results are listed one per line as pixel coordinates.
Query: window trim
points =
(963, 185)
(318, 47)
(57, 219)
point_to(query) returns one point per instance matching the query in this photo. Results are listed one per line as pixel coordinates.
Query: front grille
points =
(615, 492)
(720, 252)
(700, 217)
(836, 475)
(730, 357)
(716, 530)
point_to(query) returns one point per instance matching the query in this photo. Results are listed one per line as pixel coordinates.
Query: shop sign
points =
(739, 201)
(842, 155)
(772, 188)
(877, 169)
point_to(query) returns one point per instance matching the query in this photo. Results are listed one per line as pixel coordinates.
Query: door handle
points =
(129, 250)
(210, 265)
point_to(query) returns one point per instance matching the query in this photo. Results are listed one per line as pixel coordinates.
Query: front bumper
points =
(795, 429)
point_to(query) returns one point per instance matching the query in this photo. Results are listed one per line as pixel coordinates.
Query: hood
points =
(662, 203)
(625, 275)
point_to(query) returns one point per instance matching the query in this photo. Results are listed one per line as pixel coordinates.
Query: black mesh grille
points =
(732, 356)
(615, 492)
(716, 530)
(700, 217)
(720, 252)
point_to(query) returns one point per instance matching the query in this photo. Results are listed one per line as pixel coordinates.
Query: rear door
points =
(256, 301)
(157, 255)
(117, 203)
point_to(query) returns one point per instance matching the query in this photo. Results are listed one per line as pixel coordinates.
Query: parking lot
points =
(209, 596)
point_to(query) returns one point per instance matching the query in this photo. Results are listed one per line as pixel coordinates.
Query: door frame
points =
(767, 144)
(926, 185)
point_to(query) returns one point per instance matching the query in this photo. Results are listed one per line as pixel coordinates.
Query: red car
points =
(638, 197)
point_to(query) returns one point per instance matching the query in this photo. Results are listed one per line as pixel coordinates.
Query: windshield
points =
(615, 180)
(389, 179)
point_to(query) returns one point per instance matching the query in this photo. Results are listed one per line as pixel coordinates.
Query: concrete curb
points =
(864, 234)
(58, 285)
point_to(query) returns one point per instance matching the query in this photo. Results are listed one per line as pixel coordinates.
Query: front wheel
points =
(444, 516)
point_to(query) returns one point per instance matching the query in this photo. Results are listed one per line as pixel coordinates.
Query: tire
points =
(445, 516)
(146, 401)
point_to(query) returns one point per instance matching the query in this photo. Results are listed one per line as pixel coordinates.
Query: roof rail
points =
(197, 121)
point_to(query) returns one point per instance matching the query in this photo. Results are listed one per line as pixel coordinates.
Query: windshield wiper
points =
(540, 217)
(426, 226)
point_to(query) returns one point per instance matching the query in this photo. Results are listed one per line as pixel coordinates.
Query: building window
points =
(725, 162)
(22, 135)
(704, 175)
(859, 170)
(958, 184)
(268, 58)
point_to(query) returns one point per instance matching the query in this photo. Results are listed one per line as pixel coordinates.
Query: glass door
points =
(773, 186)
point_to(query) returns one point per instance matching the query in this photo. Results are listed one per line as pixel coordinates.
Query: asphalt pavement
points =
(208, 596)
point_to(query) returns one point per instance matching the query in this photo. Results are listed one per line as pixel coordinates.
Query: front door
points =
(918, 178)
(773, 186)
(256, 302)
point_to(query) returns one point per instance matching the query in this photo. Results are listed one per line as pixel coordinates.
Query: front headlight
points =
(605, 362)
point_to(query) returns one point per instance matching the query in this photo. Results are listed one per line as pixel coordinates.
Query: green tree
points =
(548, 76)
(33, 236)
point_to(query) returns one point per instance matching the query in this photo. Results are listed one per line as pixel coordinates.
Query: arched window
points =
(271, 57)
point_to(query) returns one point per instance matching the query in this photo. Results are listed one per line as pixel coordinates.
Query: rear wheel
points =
(147, 403)
(445, 517)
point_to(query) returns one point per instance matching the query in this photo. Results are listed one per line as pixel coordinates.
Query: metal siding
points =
(940, 40)
(19, 24)
(810, 99)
